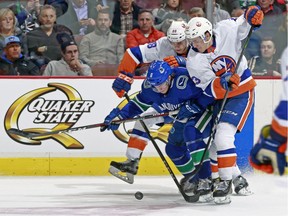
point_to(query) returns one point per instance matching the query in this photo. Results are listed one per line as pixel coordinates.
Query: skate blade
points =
(127, 177)
(245, 192)
(206, 198)
(222, 200)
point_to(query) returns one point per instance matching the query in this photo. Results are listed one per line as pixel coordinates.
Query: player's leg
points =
(232, 120)
(137, 142)
(177, 151)
(196, 146)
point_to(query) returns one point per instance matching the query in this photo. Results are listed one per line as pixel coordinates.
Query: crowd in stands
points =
(84, 37)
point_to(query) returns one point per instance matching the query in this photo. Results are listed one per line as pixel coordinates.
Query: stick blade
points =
(14, 131)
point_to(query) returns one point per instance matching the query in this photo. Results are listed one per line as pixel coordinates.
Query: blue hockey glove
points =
(254, 16)
(122, 83)
(229, 81)
(175, 61)
(109, 125)
(268, 155)
(188, 110)
(167, 119)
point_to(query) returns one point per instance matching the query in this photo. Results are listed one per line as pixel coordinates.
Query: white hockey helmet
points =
(176, 31)
(197, 27)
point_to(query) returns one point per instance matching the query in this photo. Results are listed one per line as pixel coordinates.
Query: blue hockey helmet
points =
(158, 72)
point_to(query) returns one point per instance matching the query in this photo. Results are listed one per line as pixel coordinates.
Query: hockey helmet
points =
(158, 73)
(197, 27)
(176, 31)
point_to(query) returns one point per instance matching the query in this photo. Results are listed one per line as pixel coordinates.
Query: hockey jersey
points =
(280, 117)
(145, 54)
(181, 89)
(205, 69)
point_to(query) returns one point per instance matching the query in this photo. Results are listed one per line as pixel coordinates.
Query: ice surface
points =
(111, 196)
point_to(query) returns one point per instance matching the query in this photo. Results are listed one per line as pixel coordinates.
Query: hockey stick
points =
(216, 120)
(190, 199)
(35, 134)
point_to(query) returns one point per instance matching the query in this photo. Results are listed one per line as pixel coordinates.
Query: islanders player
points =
(172, 49)
(268, 154)
(167, 89)
(217, 53)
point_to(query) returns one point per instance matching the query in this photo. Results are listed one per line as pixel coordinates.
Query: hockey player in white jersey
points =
(268, 154)
(172, 49)
(216, 54)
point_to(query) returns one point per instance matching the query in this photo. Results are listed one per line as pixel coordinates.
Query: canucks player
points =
(268, 154)
(167, 89)
(172, 49)
(217, 53)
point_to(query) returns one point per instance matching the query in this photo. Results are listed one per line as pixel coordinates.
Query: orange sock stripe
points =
(214, 168)
(247, 110)
(227, 161)
(137, 143)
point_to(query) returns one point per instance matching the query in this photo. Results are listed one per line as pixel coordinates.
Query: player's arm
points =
(137, 105)
(132, 58)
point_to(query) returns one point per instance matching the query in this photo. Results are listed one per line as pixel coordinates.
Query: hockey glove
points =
(122, 83)
(109, 125)
(188, 110)
(268, 155)
(230, 81)
(254, 16)
(167, 119)
(175, 61)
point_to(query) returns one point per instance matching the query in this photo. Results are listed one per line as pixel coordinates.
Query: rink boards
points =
(44, 105)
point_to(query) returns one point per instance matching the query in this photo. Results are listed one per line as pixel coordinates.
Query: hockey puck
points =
(138, 195)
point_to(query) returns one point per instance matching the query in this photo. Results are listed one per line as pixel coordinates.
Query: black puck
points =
(139, 195)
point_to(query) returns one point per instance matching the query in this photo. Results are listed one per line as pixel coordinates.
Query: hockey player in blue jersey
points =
(167, 89)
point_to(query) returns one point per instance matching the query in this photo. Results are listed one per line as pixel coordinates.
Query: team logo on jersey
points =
(48, 114)
(181, 82)
(223, 64)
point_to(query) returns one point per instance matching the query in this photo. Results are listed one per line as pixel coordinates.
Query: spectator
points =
(102, 46)
(196, 12)
(80, 16)
(146, 33)
(125, 17)
(42, 45)
(218, 13)
(33, 7)
(106, 4)
(60, 6)
(8, 26)
(27, 15)
(12, 62)
(69, 65)
(267, 64)
(237, 12)
(169, 10)
(271, 23)
(281, 37)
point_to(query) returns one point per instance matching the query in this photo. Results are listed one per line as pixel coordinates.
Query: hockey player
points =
(166, 89)
(268, 154)
(172, 49)
(217, 53)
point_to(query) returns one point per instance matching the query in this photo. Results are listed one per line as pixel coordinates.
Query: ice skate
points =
(222, 192)
(188, 185)
(241, 186)
(204, 188)
(124, 170)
